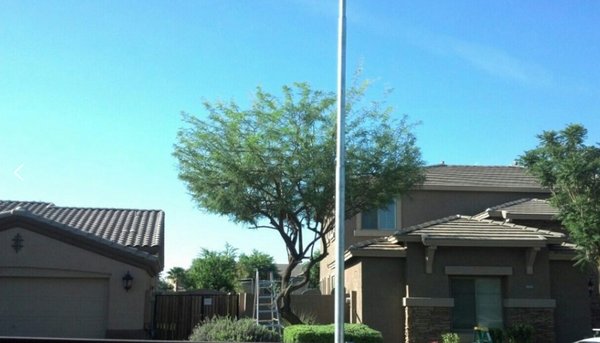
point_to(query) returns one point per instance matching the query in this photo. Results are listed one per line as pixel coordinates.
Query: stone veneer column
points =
(542, 320)
(426, 323)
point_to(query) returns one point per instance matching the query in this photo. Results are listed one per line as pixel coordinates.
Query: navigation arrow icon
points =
(16, 172)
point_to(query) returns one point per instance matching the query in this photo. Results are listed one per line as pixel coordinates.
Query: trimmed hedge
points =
(357, 333)
(226, 329)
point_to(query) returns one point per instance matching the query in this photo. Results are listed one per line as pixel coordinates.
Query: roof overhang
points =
(80, 239)
(483, 242)
(564, 252)
(465, 234)
(520, 216)
(482, 189)
(393, 253)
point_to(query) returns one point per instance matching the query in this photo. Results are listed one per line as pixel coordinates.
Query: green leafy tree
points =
(248, 264)
(163, 285)
(214, 270)
(570, 169)
(178, 277)
(273, 166)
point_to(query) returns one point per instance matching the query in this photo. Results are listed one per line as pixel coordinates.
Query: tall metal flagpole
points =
(340, 180)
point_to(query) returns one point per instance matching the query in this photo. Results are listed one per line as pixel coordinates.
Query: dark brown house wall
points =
(421, 284)
(536, 285)
(526, 297)
(383, 289)
(436, 285)
(572, 312)
(422, 206)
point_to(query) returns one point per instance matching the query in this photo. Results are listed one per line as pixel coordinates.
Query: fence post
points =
(237, 306)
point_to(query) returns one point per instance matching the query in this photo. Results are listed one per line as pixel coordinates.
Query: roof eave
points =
(354, 253)
(80, 239)
(482, 189)
(529, 216)
(491, 243)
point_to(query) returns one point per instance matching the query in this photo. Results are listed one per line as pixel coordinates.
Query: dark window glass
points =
(477, 302)
(369, 220)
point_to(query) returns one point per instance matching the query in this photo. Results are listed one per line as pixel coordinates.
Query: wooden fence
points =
(176, 315)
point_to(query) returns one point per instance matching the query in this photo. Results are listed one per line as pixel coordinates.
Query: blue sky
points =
(91, 91)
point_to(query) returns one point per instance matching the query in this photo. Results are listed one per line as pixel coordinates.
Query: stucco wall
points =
(326, 266)
(518, 285)
(554, 298)
(421, 206)
(376, 288)
(42, 256)
(383, 285)
(569, 288)
(353, 279)
(314, 307)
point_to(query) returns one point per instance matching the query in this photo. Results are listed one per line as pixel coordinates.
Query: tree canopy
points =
(221, 270)
(263, 262)
(273, 165)
(570, 169)
(214, 270)
(178, 276)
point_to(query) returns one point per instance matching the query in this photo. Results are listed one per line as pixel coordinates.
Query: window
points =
(380, 218)
(477, 302)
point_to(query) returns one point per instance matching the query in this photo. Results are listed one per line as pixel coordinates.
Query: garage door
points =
(53, 307)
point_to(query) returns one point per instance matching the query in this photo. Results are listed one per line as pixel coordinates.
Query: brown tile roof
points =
(380, 243)
(31, 206)
(377, 247)
(498, 178)
(527, 208)
(566, 246)
(142, 229)
(469, 231)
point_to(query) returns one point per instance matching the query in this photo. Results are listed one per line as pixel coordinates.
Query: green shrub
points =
(357, 333)
(225, 329)
(520, 333)
(497, 335)
(307, 317)
(450, 337)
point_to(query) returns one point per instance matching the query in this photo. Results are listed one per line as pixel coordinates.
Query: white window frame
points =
(362, 231)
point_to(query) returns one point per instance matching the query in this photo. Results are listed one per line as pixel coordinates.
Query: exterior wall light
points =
(127, 281)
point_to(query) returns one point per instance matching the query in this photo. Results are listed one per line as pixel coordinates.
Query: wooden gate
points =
(176, 315)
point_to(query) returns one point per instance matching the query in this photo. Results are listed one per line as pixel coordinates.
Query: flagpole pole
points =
(340, 180)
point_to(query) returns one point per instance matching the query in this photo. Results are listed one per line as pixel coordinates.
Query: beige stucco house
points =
(473, 245)
(78, 272)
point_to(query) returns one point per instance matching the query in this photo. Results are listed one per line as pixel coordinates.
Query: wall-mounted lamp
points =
(127, 281)
(590, 287)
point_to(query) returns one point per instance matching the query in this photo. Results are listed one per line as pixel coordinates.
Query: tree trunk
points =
(285, 308)
(284, 298)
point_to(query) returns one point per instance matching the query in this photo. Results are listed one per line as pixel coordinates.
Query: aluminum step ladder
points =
(266, 312)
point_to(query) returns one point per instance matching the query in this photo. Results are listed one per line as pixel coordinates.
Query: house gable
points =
(517, 249)
(522, 209)
(469, 231)
(27, 221)
(140, 229)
